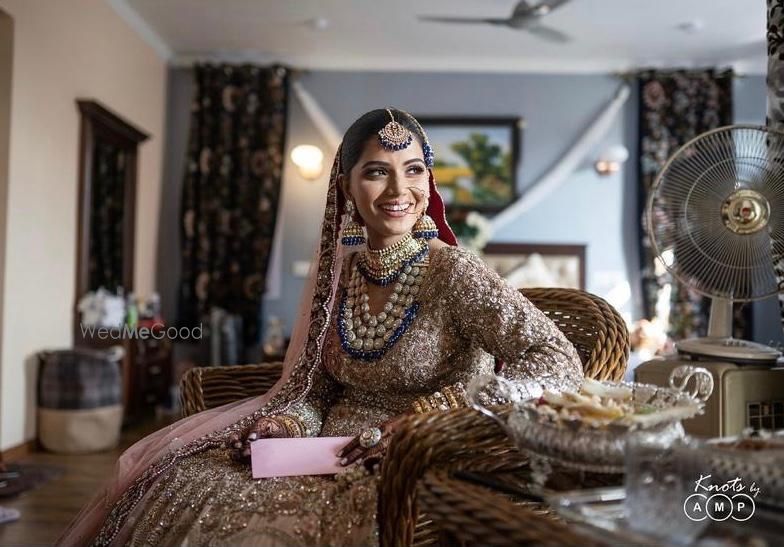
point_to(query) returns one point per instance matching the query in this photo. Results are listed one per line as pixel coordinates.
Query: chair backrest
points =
(596, 329)
(209, 387)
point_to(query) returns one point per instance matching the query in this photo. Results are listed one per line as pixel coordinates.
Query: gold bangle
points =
(424, 404)
(292, 425)
(452, 397)
(439, 401)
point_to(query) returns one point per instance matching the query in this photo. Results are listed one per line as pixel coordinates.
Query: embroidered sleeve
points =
(497, 317)
(304, 419)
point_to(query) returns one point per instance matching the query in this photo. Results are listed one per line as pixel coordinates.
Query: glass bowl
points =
(577, 444)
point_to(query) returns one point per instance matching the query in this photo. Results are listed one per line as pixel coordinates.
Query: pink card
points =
(296, 456)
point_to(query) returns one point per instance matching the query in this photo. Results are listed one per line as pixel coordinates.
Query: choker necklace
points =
(366, 336)
(384, 266)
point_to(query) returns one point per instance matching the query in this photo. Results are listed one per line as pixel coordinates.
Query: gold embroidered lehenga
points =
(210, 499)
(181, 486)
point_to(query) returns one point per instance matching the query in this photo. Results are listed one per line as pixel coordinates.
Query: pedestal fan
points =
(715, 216)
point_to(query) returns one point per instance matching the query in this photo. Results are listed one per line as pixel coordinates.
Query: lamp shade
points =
(611, 159)
(309, 160)
(616, 153)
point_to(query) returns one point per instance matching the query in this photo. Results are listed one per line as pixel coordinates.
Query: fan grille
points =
(714, 213)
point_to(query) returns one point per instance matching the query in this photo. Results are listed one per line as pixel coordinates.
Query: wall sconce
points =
(309, 160)
(611, 159)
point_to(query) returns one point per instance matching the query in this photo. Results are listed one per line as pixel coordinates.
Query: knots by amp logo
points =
(718, 502)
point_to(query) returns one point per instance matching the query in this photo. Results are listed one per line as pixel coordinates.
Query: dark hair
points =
(366, 127)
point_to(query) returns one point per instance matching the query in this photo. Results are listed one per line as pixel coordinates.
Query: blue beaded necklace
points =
(368, 337)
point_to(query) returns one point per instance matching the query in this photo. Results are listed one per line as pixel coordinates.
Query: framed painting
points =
(476, 160)
(527, 265)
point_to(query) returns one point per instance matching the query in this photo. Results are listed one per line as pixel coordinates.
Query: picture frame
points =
(527, 265)
(485, 182)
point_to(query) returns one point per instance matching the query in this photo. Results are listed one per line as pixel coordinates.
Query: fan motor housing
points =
(745, 211)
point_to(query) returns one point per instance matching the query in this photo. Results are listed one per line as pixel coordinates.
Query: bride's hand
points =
(265, 428)
(354, 450)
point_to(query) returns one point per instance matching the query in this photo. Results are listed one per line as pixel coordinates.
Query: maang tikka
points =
(352, 234)
(395, 136)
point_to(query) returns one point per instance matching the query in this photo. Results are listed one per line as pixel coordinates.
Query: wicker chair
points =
(459, 439)
(589, 322)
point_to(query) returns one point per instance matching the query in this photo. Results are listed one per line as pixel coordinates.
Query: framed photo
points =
(476, 160)
(527, 265)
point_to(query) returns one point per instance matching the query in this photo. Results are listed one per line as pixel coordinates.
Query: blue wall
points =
(599, 212)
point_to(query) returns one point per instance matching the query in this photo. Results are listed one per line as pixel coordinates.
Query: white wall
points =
(6, 67)
(64, 50)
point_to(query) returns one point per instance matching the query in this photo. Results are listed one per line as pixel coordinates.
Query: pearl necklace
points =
(367, 336)
(382, 267)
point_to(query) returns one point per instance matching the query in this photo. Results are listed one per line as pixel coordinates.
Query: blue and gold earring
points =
(352, 233)
(425, 227)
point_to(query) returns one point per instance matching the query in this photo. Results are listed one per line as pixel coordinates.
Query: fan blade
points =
(548, 33)
(470, 20)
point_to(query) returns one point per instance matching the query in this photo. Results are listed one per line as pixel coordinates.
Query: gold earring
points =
(425, 227)
(353, 234)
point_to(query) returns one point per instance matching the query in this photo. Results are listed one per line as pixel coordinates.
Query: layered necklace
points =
(368, 336)
(384, 266)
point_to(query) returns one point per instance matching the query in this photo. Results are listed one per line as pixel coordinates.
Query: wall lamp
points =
(309, 160)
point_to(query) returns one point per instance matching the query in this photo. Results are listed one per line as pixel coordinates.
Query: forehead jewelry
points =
(394, 136)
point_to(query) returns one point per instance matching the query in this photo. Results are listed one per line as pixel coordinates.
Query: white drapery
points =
(573, 157)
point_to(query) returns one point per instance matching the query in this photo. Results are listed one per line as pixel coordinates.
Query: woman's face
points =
(390, 190)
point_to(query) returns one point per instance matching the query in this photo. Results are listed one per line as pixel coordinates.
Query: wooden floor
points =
(47, 509)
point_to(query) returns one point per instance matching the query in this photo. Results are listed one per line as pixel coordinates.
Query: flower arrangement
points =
(473, 230)
(649, 338)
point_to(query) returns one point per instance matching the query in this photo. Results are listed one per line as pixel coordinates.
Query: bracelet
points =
(438, 400)
(449, 397)
(455, 395)
(292, 426)
(422, 405)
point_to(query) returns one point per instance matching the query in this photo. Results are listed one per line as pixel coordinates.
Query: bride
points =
(395, 319)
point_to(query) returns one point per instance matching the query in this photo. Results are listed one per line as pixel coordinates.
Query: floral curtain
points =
(775, 83)
(105, 268)
(676, 106)
(231, 191)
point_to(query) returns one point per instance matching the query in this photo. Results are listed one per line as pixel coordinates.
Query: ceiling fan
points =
(525, 16)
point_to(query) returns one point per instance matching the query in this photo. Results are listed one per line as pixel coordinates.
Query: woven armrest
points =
(209, 387)
(475, 515)
(455, 439)
(593, 326)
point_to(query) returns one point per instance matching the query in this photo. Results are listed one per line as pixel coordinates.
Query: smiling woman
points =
(393, 328)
